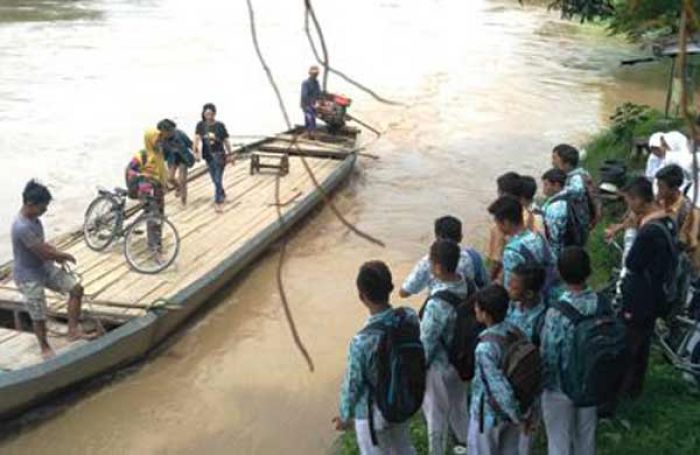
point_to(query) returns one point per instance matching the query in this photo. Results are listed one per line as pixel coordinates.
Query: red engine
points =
(332, 109)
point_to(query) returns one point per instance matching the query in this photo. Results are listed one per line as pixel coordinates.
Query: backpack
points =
(597, 359)
(401, 370)
(460, 352)
(551, 274)
(676, 281)
(522, 366)
(480, 274)
(577, 212)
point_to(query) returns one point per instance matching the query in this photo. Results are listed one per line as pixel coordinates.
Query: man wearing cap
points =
(668, 148)
(310, 94)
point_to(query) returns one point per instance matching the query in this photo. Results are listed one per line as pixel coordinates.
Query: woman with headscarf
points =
(146, 176)
(211, 142)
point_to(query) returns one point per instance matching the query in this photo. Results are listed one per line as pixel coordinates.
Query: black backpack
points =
(577, 212)
(676, 280)
(597, 360)
(401, 370)
(460, 352)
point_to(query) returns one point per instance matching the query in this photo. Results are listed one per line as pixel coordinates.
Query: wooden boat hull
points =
(22, 388)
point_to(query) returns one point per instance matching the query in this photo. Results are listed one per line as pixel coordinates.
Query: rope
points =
(310, 13)
(67, 268)
(280, 283)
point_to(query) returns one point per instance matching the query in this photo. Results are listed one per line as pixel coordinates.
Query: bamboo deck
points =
(117, 293)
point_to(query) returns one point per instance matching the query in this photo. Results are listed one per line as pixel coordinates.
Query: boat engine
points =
(332, 108)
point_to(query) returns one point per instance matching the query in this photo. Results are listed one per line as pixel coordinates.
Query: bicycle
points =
(151, 242)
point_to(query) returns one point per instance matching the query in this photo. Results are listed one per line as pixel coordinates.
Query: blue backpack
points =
(401, 370)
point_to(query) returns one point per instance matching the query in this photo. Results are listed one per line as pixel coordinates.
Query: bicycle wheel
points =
(102, 221)
(151, 244)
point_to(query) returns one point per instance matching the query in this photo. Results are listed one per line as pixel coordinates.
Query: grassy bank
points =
(667, 418)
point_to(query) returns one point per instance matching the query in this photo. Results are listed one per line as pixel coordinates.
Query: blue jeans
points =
(310, 118)
(216, 171)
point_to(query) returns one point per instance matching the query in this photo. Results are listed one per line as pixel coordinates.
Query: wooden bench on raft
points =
(277, 161)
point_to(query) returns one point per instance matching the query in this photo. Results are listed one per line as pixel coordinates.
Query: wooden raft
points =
(207, 238)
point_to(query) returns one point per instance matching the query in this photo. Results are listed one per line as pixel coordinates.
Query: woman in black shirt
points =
(211, 143)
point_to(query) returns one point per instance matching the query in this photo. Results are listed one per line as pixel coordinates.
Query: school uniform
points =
(470, 265)
(555, 219)
(392, 438)
(494, 413)
(445, 401)
(512, 257)
(576, 185)
(570, 430)
(526, 319)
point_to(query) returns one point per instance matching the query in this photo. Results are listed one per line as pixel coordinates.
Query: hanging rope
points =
(311, 13)
(280, 283)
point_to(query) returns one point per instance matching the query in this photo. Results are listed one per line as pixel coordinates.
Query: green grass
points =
(666, 420)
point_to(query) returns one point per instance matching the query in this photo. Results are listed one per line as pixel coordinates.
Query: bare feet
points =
(47, 353)
(219, 207)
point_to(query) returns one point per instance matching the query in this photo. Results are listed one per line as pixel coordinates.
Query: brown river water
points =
(488, 86)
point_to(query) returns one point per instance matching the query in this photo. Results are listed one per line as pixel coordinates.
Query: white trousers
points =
(392, 438)
(445, 404)
(503, 439)
(570, 430)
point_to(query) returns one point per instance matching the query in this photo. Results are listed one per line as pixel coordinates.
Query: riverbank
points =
(666, 418)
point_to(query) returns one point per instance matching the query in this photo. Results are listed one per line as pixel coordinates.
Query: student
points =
(211, 142)
(146, 176)
(578, 181)
(177, 148)
(570, 430)
(508, 184)
(492, 431)
(445, 394)
(34, 267)
(555, 209)
(310, 95)
(526, 312)
(669, 180)
(648, 261)
(374, 285)
(470, 266)
(523, 246)
(531, 215)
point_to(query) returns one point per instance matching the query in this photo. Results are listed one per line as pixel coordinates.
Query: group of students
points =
(494, 353)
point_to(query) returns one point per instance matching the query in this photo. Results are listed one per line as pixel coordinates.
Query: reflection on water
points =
(489, 87)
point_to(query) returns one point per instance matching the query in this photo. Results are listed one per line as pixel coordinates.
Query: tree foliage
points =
(637, 19)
